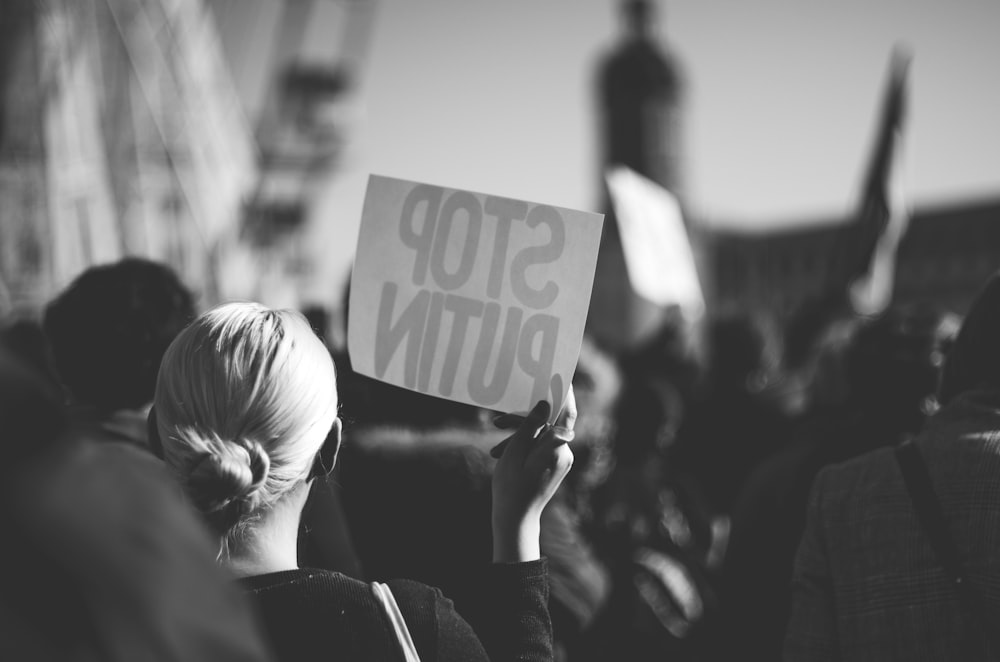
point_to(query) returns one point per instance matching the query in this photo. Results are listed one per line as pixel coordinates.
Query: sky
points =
(780, 104)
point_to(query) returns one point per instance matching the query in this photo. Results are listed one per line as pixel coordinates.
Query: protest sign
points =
(471, 297)
(658, 256)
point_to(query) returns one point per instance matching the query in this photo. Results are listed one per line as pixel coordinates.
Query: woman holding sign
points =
(246, 416)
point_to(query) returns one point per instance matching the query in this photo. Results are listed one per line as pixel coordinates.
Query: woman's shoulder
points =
(303, 581)
(292, 599)
(310, 614)
(327, 585)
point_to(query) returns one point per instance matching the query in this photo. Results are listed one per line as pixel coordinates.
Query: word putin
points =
(513, 336)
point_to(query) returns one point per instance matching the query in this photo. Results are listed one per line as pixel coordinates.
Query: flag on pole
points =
(882, 218)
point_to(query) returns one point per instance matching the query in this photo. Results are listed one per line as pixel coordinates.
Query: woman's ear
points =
(153, 434)
(326, 459)
(332, 445)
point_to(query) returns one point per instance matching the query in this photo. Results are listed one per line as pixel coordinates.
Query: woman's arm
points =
(514, 623)
(509, 620)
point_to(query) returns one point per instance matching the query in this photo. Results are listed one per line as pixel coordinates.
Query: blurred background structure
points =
(233, 138)
(947, 254)
(640, 97)
(131, 127)
(122, 135)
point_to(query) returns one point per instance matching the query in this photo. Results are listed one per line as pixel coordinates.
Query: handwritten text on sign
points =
(471, 297)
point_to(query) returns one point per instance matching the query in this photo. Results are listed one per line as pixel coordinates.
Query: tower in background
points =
(640, 93)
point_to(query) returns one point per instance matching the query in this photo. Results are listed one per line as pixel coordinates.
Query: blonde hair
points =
(245, 398)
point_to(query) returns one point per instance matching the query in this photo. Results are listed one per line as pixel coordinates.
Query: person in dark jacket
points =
(246, 414)
(102, 558)
(874, 385)
(867, 583)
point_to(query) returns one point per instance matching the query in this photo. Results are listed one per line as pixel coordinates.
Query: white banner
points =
(470, 297)
(658, 255)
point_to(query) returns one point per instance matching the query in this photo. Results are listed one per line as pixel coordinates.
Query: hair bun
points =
(260, 463)
(228, 472)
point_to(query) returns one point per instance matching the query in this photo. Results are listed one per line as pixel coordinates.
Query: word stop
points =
(502, 327)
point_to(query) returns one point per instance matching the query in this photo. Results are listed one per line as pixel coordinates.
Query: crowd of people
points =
(222, 485)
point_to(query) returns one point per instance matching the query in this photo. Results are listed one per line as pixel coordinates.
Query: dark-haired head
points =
(109, 329)
(894, 363)
(744, 352)
(974, 360)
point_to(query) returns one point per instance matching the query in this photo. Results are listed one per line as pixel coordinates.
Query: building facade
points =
(948, 252)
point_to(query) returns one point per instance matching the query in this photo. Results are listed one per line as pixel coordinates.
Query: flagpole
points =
(865, 272)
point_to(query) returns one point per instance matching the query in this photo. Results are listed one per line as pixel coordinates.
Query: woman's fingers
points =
(509, 421)
(551, 459)
(550, 440)
(527, 430)
(567, 417)
(498, 450)
(536, 420)
(561, 436)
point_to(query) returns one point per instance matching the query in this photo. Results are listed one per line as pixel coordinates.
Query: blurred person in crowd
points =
(246, 411)
(808, 328)
(873, 383)
(580, 580)
(652, 528)
(870, 580)
(769, 513)
(108, 331)
(102, 557)
(597, 386)
(741, 417)
(656, 538)
(662, 377)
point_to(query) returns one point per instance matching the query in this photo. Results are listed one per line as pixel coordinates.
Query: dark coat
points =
(866, 584)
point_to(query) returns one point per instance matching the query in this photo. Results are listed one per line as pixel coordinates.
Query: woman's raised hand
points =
(532, 464)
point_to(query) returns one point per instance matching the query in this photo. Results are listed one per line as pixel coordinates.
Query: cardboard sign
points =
(658, 255)
(471, 297)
